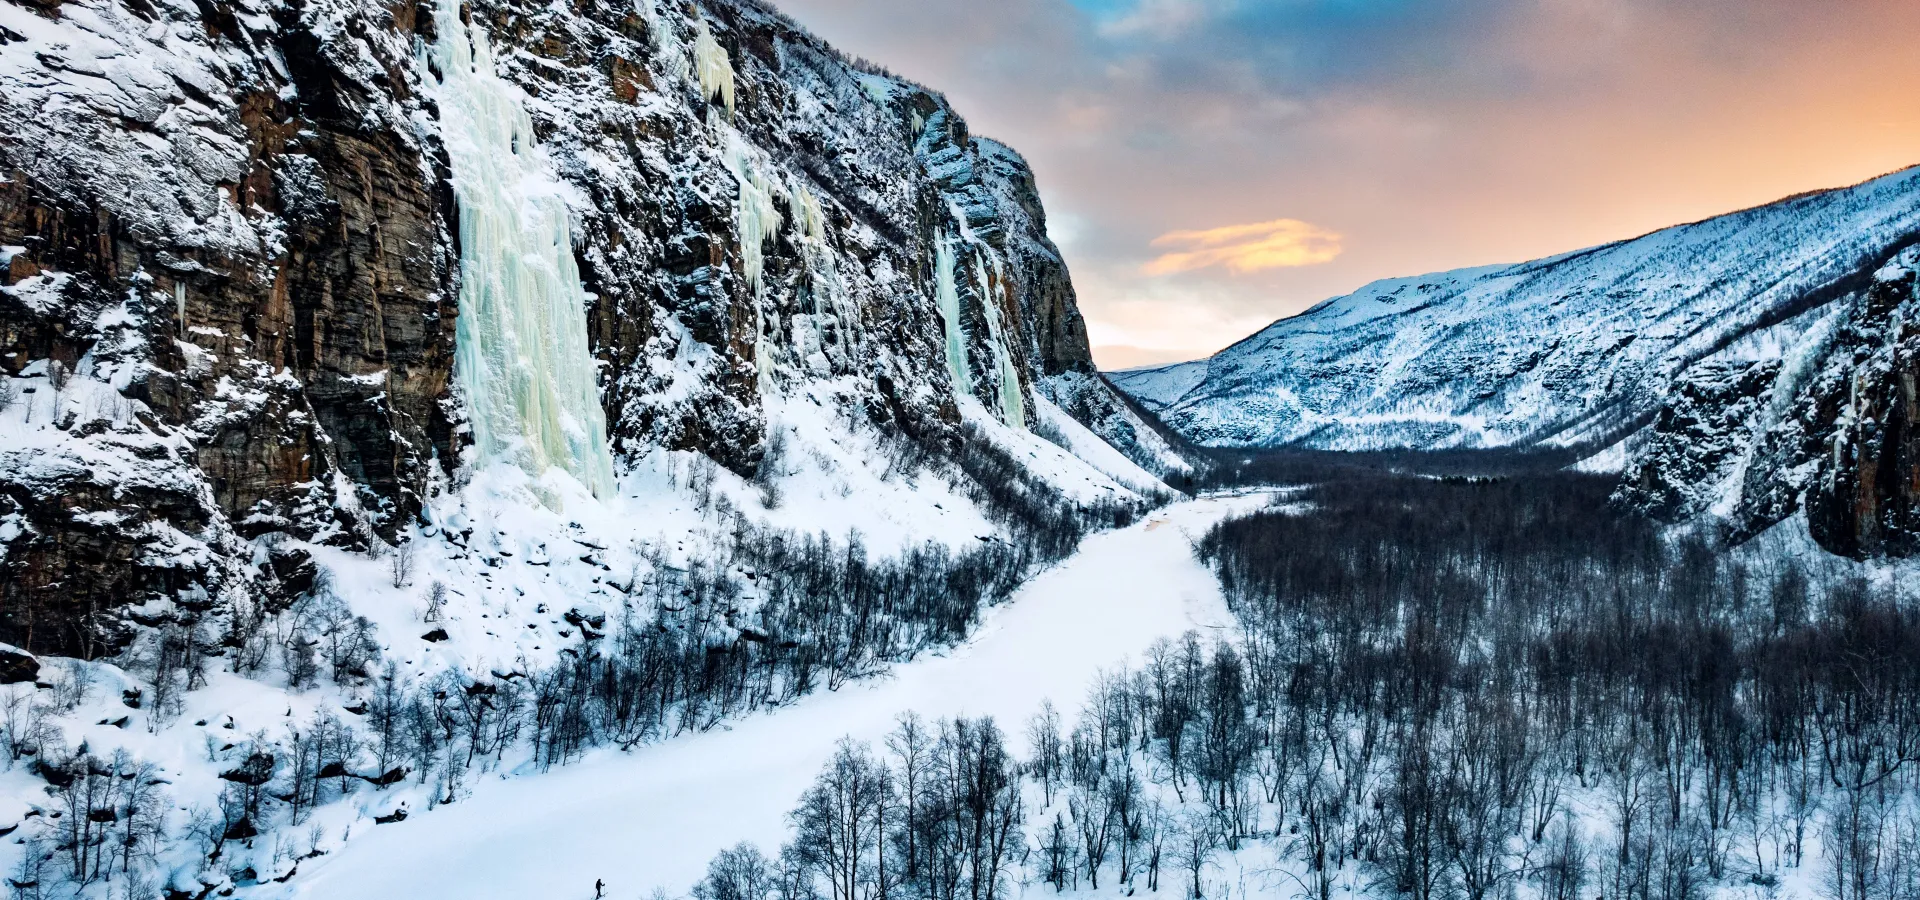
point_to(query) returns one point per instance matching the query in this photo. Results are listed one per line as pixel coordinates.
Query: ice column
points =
(813, 220)
(667, 43)
(947, 293)
(521, 355)
(756, 220)
(758, 217)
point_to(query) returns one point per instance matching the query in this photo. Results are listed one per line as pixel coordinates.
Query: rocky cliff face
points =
(1865, 499)
(1823, 424)
(225, 307)
(231, 272)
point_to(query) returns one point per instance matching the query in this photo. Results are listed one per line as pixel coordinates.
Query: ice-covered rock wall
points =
(1817, 416)
(297, 262)
(529, 381)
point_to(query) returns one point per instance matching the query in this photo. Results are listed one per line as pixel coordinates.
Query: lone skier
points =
(599, 888)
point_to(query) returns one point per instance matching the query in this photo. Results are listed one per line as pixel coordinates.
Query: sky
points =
(1209, 166)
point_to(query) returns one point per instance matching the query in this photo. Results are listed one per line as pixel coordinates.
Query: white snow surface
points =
(652, 818)
(1561, 351)
(1092, 450)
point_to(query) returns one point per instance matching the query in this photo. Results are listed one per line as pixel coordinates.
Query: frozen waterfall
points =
(1013, 406)
(946, 287)
(521, 357)
(715, 69)
(757, 219)
(947, 291)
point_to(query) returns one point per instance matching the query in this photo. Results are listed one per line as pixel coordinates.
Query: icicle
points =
(1013, 405)
(716, 70)
(665, 43)
(826, 295)
(879, 88)
(756, 218)
(521, 338)
(947, 292)
(180, 304)
(818, 255)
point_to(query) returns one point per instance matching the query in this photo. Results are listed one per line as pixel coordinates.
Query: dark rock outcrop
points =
(17, 667)
(1865, 498)
(265, 290)
(1825, 428)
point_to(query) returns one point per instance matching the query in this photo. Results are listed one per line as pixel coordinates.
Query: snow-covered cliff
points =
(306, 269)
(589, 372)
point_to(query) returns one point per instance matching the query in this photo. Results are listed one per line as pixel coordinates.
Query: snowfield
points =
(652, 818)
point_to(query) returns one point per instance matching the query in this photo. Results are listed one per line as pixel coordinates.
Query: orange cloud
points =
(1279, 244)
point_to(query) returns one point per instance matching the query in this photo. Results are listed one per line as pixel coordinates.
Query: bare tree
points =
(400, 564)
(741, 872)
(1194, 845)
(839, 824)
(436, 602)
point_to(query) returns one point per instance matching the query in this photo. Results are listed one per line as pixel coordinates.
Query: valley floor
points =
(654, 817)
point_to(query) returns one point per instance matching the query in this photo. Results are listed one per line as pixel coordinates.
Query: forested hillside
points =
(1463, 687)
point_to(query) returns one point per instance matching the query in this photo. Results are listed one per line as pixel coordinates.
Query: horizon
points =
(1210, 167)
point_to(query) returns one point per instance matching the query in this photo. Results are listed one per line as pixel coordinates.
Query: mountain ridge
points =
(1172, 389)
(1578, 351)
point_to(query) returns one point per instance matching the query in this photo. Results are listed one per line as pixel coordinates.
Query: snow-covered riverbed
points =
(653, 818)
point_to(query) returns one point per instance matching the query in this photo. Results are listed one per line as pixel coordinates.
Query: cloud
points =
(1240, 249)
(1158, 19)
(1136, 321)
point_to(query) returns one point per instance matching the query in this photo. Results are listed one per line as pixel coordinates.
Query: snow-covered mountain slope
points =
(1743, 369)
(290, 269)
(1563, 351)
(364, 364)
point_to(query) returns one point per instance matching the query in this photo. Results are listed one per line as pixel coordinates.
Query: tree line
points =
(1457, 688)
(688, 651)
(1450, 670)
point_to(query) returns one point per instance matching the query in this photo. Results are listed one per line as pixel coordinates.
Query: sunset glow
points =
(1241, 249)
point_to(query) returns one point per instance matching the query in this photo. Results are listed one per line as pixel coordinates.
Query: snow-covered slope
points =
(363, 361)
(652, 819)
(1569, 350)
